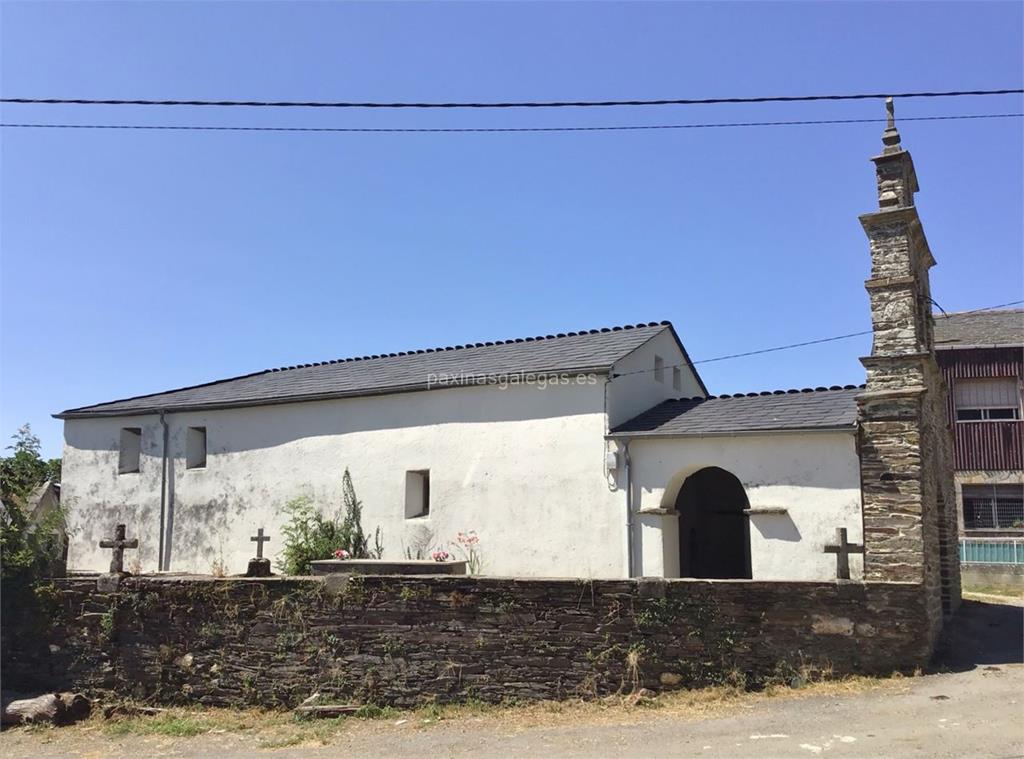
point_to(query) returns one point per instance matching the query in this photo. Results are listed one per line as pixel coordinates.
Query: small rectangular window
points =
(131, 450)
(195, 448)
(659, 369)
(677, 379)
(417, 494)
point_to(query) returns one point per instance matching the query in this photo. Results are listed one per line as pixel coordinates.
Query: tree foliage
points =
(309, 535)
(25, 470)
(28, 548)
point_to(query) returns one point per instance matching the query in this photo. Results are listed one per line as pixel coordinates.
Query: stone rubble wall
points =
(406, 640)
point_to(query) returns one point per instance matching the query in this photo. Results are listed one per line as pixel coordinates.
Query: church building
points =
(591, 454)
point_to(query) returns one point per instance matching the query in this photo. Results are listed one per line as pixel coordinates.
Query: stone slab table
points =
(385, 567)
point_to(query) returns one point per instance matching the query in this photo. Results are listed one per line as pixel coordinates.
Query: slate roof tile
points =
(588, 350)
(821, 408)
(979, 329)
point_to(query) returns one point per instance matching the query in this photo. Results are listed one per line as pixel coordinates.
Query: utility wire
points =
(805, 343)
(203, 128)
(520, 104)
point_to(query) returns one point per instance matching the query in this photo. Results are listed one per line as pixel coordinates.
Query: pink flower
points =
(440, 556)
(341, 553)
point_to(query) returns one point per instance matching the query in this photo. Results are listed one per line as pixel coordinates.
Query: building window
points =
(659, 369)
(987, 400)
(417, 494)
(677, 379)
(993, 507)
(195, 448)
(130, 451)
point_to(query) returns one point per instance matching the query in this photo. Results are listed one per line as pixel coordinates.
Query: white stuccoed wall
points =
(524, 467)
(815, 475)
(637, 390)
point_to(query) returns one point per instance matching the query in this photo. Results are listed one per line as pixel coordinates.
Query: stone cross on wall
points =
(259, 539)
(118, 544)
(842, 552)
(259, 567)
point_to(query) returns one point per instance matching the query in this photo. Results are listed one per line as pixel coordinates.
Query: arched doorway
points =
(714, 537)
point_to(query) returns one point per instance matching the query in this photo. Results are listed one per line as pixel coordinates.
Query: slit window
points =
(659, 369)
(195, 448)
(130, 452)
(677, 379)
(417, 494)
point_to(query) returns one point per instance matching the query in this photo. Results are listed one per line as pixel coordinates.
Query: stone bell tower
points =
(905, 442)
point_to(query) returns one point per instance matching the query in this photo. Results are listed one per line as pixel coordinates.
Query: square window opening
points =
(130, 451)
(195, 448)
(417, 494)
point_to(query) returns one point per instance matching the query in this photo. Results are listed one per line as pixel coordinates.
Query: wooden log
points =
(326, 711)
(45, 708)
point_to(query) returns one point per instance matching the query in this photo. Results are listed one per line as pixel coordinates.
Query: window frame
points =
(417, 494)
(976, 413)
(659, 368)
(122, 450)
(189, 458)
(994, 500)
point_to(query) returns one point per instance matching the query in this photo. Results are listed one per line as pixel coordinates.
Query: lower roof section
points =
(833, 408)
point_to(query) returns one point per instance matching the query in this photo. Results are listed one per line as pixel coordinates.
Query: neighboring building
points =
(981, 355)
(589, 454)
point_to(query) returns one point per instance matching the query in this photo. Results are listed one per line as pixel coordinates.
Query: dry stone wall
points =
(406, 640)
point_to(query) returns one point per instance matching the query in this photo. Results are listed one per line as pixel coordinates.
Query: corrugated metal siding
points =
(984, 446)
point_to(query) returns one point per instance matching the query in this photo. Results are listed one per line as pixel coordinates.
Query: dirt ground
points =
(972, 706)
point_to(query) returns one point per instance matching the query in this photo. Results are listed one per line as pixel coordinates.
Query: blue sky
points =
(139, 261)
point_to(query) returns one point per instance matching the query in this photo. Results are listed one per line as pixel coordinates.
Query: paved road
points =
(975, 711)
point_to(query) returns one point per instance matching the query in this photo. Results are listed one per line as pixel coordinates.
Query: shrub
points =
(309, 535)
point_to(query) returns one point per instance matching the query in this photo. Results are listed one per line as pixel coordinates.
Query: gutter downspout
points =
(629, 508)
(163, 490)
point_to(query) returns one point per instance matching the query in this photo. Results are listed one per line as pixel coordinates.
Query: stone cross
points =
(259, 539)
(118, 544)
(842, 552)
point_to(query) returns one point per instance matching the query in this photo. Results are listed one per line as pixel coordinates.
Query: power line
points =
(514, 104)
(805, 343)
(640, 127)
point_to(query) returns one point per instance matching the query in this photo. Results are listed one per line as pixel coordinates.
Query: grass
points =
(280, 729)
(1006, 591)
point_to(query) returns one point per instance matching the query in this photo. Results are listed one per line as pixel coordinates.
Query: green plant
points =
(29, 544)
(310, 535)
(354, 540)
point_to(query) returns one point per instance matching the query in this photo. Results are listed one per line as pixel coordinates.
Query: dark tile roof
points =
(979, 329)
(819, 408)
(591, 350)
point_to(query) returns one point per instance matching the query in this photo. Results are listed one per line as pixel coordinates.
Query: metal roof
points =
(779, 410)
(979, 329)
(588, 351)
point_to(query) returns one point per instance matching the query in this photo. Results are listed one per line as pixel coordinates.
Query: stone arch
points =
(714, 533)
